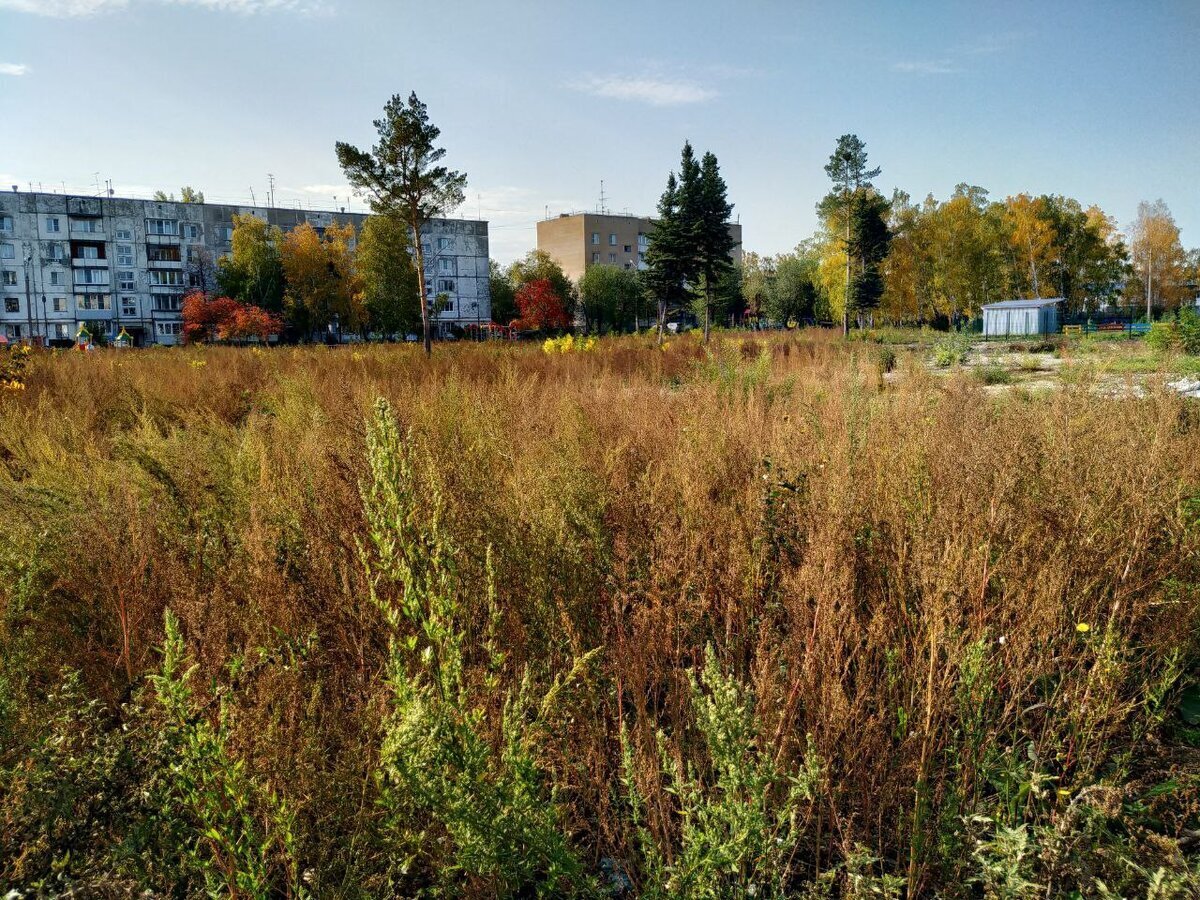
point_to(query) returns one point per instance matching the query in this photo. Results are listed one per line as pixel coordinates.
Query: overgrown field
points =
(629, 621)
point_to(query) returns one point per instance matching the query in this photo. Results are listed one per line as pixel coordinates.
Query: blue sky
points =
(539, 101)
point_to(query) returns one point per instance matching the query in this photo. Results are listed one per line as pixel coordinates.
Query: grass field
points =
(785, 617)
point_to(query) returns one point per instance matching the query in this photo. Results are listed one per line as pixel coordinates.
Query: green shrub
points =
(458, 810)
(740, 820)
(1188, 328)
(993, 373)
(885, 359)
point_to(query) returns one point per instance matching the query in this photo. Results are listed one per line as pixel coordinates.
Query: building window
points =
(62, 330)
(446, 285)
(595, 237)
(169, 303)
(88, 251)
(53, 225)
(612, 257)
(169, 278)
(628, 266)
(446, 265)
(227, 233)
(612, 240)
(128, 306)
(192, 230)
(445, 243)
(87, 226)
(155, 253)
(160, 226)
(56, 251)
(124, 254)
(92, 301)
(629, 248)
(10, 278)
(14, 331)
(170, 328)
(125, 281)
(6, 224)
(124, 234)
(12, 305)
(595, 257)
(8, 251)
(55, 278)
(59, 304)
(91, 276)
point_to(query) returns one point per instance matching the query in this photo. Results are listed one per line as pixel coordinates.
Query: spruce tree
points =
(713, 241)
(666, 257)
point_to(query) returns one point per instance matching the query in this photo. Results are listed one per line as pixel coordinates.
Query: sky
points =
(539, 102)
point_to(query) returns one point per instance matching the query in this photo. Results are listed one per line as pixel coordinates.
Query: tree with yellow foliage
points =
(1159, 261)
(321, 282)
(1031, 241)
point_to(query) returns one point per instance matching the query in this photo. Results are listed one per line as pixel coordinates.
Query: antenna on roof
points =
(253, 199)
(271, 190)
(603, 210)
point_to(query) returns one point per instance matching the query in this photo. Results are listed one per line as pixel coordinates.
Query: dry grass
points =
(897, 570)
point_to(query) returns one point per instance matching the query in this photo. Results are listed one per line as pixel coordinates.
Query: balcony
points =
(88, 229)
(93, 282)
(176, 264)
(171, 240)
(85, 262)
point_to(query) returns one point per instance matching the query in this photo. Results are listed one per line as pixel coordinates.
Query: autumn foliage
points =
(225, 319)
(540, 307)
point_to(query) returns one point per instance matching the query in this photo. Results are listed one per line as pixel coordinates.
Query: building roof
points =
(1035, 303)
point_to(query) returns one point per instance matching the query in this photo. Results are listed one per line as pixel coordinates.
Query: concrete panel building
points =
(120, 263)
(580, 240)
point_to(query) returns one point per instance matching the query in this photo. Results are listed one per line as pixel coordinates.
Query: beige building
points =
(579, 240)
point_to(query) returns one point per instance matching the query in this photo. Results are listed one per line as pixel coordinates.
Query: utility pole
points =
(28, 300)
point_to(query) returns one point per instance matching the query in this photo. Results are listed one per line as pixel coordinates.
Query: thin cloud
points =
(652, 91)
(926, 67)
(71, 9)
(328, 190)
(13, 69)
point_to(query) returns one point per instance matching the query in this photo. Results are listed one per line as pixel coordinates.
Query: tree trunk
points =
(846, 300)
(707, 304)
(416, 227)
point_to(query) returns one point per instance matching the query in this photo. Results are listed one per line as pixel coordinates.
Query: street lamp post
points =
(28, 298)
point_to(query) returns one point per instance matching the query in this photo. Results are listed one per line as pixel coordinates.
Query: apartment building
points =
(582, 239)
(119, 263)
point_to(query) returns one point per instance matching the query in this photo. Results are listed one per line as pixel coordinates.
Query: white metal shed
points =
(1017, 317)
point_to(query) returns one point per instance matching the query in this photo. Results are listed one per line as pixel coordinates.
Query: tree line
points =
(939, 261)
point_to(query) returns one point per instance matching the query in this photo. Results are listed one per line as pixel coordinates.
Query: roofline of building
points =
(249, 206)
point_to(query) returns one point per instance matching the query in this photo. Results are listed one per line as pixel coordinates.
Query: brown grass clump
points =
(949, 614)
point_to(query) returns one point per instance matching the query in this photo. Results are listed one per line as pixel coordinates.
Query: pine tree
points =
(402, 177)
(848, 171)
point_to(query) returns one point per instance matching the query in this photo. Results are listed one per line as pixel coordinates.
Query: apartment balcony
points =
(86, 263)
(80, 230)
(169, 240)
(176, 264)
(93, 286)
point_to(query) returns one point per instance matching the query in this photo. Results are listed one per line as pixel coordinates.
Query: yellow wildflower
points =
(1083, 627)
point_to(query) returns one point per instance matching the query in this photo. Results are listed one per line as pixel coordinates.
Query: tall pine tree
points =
(848, 171)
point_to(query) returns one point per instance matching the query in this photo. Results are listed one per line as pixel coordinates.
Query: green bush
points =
(1188, 329)
(993, 374)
